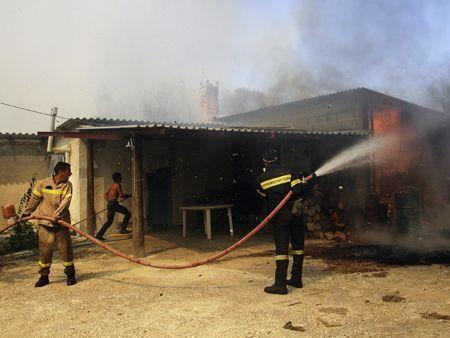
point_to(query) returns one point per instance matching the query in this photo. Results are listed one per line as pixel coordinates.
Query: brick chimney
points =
(209, 101)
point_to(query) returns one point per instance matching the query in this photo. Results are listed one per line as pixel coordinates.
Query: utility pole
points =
(54, 112)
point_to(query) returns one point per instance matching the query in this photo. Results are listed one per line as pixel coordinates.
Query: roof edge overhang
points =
(123, 132)
(94, 136)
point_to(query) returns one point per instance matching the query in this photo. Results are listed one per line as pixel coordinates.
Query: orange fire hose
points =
(164, 266)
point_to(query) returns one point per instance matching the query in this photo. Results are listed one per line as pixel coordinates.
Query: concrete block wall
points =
(20, 161)
(341, 111)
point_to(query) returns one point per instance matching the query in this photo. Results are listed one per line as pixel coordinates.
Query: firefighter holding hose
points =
(273, 184)
(51, 197)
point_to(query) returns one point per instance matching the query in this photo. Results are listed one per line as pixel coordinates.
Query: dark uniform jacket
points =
(275, 183)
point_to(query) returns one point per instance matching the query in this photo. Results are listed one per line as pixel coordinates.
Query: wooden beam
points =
(91, 221)
(137, 200)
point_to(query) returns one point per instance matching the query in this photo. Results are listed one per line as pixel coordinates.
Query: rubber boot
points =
(71, 279)
(296, 274)
(42, 281)
(279, 287)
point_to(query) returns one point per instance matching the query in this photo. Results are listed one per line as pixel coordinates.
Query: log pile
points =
(323, 212)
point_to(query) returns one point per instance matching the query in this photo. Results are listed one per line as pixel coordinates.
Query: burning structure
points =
(178, 164)
(414, 168)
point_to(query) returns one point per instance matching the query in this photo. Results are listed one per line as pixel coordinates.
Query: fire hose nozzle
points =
(310, 177)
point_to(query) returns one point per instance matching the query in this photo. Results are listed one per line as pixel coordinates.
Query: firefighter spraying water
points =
(274, 183)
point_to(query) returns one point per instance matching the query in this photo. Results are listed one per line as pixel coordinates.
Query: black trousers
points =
(286, 229)
(114, 207)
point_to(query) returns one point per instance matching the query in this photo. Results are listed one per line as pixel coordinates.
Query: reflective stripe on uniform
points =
(37, 192)
(68, 263)
(295, 182)
(298, 252)
(281, 257)
(44, 265)
(276, 181)
(261, 193)
(56, 192)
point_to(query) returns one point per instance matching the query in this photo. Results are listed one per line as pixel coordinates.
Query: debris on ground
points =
(434, 316)
(393, 298)
(328, 324)
(289, 326)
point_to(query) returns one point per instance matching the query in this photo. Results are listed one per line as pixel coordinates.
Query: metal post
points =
(91, 221)
(137, 201)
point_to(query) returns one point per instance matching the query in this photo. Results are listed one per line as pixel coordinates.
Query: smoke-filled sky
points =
(145, 59)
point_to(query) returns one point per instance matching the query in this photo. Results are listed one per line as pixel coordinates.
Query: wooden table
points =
(207, 219)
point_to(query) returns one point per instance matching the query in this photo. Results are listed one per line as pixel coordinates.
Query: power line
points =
(57, 116)
(47, 114)
(33, 111)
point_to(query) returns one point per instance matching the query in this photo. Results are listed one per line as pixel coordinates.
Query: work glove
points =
(10, 221)
(55, 223)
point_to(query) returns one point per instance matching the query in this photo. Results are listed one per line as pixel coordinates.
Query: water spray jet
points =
(354, 156)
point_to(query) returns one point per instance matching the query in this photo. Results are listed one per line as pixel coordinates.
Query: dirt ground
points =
(342, 296)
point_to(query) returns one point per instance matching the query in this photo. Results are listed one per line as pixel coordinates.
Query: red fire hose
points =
(163, 266)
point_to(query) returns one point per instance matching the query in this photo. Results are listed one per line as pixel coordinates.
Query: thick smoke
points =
(396, 47)
(244, 99)
(145, 59)
(170, 100)
(439, 92)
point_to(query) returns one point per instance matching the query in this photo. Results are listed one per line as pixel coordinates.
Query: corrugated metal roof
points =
(97, 121)
(291, 103)
(20, 136)
(322, 97)
(224, 128)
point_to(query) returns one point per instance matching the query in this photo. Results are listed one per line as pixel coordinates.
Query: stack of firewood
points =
(324, 214)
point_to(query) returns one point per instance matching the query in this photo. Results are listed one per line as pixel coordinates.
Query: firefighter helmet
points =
(270, 155)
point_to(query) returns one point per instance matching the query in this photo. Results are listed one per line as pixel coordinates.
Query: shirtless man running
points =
(112, 195)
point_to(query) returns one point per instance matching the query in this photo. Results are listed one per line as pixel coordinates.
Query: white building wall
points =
(76, 152)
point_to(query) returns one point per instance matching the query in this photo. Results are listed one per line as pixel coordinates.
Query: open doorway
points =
(160, 197)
